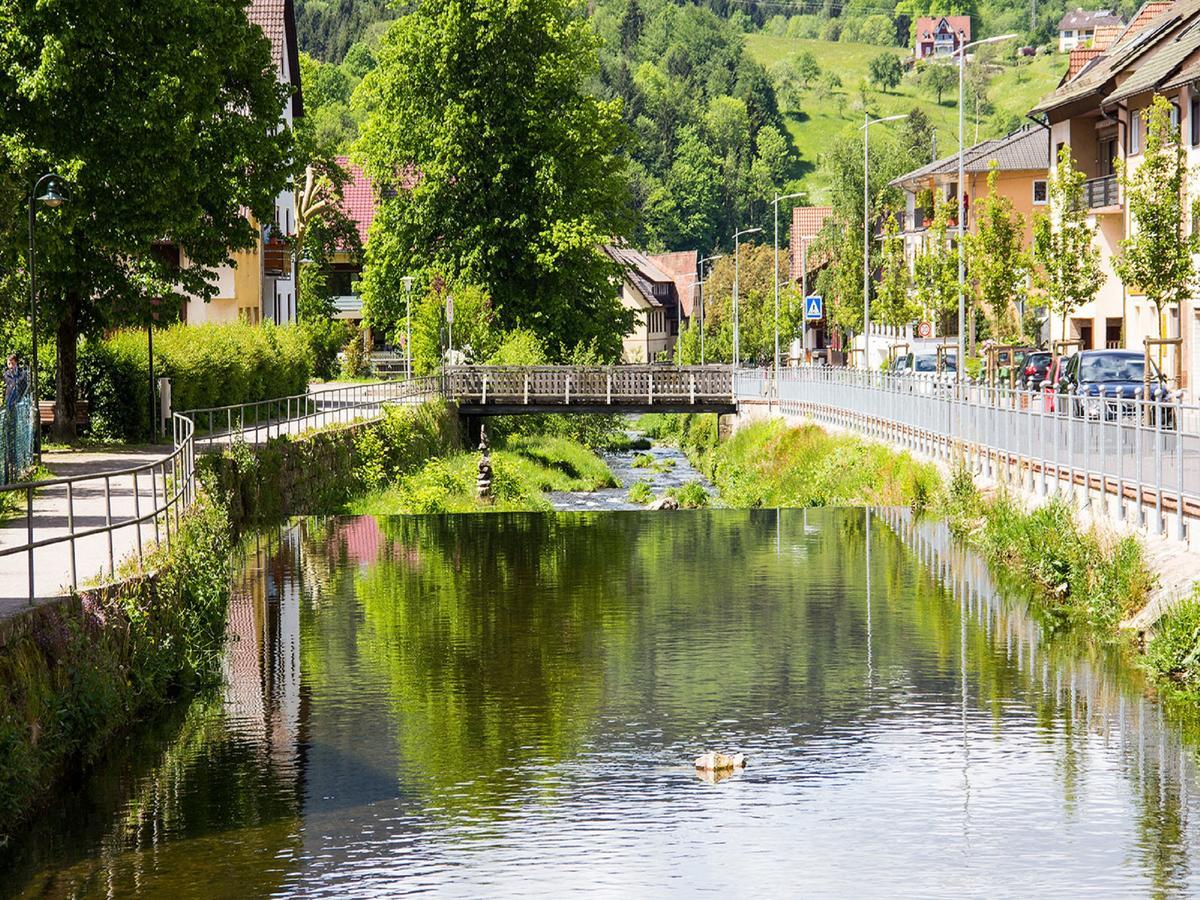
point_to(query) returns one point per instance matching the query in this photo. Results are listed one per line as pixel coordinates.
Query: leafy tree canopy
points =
(497, 166)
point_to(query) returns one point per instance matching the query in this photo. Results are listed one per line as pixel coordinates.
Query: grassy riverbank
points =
(74, 673)
(524, 468)
(774, 464)
(1077, 574)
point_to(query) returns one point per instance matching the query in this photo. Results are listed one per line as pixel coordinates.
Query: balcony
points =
(275, 256)
(1102, 193)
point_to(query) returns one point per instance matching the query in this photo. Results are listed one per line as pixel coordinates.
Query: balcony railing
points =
(1101, 192)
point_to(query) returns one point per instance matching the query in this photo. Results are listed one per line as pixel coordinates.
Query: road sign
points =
(925, 330)
(450, 309)
(814, 308)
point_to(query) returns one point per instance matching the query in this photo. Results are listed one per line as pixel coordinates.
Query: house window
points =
(1194, 120)
(1135, 133)
(1175, 118)
(1039, 191)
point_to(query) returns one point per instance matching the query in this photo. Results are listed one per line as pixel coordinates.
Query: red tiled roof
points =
(806, 224)
(681, 266)
(1080, 57)
(1106, 35)
(927, 25)
(1147, 14)
(358, 198)
(277, 19)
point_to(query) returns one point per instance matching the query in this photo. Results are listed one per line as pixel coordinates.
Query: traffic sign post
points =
(814, 308)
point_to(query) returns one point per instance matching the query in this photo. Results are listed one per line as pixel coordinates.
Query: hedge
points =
(209, 365)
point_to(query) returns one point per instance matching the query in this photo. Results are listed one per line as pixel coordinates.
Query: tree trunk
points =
(66, 379)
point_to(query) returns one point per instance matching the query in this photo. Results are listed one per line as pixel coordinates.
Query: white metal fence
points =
(258, 422)
(1137, 457)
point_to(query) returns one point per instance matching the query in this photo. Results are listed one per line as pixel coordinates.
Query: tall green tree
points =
(1066, 259)
(935, 270)
(1158, 257)
(163, 117)
(998, 262)
(885, 70)
(894, 302)
(497, 166)
(939, 78)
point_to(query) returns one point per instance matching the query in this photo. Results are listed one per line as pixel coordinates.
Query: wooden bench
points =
(46, 412)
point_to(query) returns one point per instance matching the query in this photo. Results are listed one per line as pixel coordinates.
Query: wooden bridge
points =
(514, 390)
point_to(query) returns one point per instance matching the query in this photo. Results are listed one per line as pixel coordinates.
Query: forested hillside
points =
(726, 102)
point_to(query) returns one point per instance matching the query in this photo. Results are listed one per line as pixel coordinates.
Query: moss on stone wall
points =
(316, 473)
(72, 673)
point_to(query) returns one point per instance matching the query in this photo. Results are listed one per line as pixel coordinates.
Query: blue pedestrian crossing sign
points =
(814, 308)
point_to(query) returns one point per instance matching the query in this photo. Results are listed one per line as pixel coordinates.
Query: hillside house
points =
(653, 294)
(1078, 27)
(935, 36)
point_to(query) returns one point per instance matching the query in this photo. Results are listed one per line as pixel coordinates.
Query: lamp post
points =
(408, 283)
(701, 283)
(775, 204)
(866, 127)
(737, 258)
(961, 53)
(52, 198)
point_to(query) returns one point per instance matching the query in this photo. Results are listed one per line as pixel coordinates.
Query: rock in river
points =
(664, 503)
(720, 762)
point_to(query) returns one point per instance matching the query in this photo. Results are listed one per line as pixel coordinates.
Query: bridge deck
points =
(511, 390)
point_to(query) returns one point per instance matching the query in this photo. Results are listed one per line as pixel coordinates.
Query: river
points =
(508, 705)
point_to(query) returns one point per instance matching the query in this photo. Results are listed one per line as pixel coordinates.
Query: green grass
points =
(823, 115)
(1081, 574)
(523, 471)
(1173, 653)
(641, 493)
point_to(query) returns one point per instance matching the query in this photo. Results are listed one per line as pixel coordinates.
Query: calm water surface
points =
(508, 705)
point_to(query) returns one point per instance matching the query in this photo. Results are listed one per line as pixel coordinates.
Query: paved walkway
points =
(102, 499)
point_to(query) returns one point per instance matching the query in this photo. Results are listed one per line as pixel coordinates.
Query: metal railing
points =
(1133, 456)
(592, 385)
(1101, 192)
(106, 516)
(149, 499)
(260, 421)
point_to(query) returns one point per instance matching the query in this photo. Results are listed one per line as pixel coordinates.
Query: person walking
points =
(16, 387)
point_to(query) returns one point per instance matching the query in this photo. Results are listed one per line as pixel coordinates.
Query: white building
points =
(261, 285)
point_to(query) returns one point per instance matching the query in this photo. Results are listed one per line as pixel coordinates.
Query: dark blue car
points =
(1107, 382)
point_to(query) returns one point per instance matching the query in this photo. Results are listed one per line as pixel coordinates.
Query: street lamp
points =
(53, 198)
(775, 203)
(961, 53)
(737, 258)
(867, 123)
(701, 283)
(408, 283)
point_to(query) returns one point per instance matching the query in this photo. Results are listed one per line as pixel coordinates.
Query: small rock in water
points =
(664, 503)
(720, 762)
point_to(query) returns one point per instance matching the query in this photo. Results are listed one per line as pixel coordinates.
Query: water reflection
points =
(510, 703)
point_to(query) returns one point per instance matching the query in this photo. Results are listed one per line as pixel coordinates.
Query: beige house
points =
(652, 293)
(1021, 159)
(1099, 111)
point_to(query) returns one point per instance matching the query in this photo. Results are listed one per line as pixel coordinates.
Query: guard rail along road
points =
(1135, 459)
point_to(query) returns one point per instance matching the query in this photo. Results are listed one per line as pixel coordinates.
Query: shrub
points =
(209, 365)
(1174, 651)
(641, 493)
(691, 495)
(326, 338)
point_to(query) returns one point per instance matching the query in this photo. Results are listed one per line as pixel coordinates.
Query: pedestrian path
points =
(108, 497)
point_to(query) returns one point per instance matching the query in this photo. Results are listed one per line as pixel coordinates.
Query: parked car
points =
(922, 364)
(1106, 385)
(1037, 369)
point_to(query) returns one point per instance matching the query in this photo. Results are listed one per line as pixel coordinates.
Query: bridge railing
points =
(593, 385)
